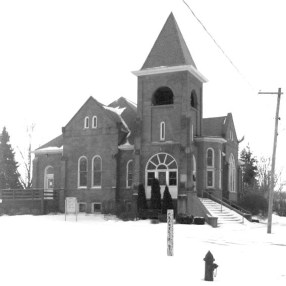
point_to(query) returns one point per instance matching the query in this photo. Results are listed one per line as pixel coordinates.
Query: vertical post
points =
(271, 191)
(170, 236)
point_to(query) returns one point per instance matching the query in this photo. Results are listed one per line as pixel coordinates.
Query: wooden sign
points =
(71, 206)
(170, 235)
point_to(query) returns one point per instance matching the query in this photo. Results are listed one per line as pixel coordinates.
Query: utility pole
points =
(271, 191)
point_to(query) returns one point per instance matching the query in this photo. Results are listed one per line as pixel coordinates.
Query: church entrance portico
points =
(164, 167)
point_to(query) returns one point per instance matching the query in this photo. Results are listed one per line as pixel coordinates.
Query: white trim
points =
(127, 173)
(86, 122)
(211, 139)
(78, 172)
(94, 126)
(165, 69)
(92, 171)
(162, 131)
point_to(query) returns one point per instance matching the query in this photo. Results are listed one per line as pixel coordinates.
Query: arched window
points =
(86, 122)
(231, 174)
(210, 157)
(94, 122)
(163, 167)
(163, 96)
(210, 168)
(129, 174)
(194, 100)
(96, 172)
(162, 131)
(49, 178)
(82, 172)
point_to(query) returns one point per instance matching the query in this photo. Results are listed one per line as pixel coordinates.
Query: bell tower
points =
(169, 112)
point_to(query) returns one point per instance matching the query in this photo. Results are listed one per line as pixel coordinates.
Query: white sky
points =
(55, 54)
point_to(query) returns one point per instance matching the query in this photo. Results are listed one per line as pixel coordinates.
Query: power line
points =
(220, 48)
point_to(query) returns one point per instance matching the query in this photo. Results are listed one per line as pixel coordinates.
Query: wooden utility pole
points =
(271, 191)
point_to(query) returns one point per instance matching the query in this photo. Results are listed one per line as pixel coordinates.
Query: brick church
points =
(104, 152)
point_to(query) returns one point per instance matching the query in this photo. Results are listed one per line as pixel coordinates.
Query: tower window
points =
(162, 131)
(194, 100)
(163, 96)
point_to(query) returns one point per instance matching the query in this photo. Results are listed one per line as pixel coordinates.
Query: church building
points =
(105, 152)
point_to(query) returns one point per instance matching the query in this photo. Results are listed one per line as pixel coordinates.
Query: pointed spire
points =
(170, 48)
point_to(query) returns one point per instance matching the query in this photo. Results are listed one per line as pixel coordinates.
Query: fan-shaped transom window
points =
(163, 96)
(164, 167)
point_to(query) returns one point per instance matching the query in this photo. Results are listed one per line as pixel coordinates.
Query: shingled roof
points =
(213, 126)
(170, 48)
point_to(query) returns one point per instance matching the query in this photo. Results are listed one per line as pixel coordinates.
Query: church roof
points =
(213, 126)
(56, 142)
(170, 48)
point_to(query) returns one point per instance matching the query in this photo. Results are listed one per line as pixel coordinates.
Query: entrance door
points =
(49, 184)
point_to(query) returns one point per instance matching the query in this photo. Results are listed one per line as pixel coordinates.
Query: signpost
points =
(71, 206)
(170, 236)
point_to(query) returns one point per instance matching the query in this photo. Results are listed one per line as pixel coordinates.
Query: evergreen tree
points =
(249, 169)
(167, 203)
(9, 175)
(155, 195)
(141, 199)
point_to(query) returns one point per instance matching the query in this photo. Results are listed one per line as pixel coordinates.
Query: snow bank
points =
(47, 250)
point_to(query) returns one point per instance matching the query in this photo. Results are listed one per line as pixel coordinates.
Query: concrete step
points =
(224, 214)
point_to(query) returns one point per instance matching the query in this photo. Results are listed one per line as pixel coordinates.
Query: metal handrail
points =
(230, 205)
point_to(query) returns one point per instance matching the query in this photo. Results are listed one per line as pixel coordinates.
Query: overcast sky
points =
(55, 54)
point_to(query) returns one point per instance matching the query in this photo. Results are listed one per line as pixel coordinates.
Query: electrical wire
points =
(219, 47)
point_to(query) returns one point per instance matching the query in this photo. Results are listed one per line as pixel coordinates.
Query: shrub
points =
(155, 195)
(141, 199)
(254, 203)
(167, 203)
(199, 220)
(184, 219)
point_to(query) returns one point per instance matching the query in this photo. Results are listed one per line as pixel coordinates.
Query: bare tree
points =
(26, 177)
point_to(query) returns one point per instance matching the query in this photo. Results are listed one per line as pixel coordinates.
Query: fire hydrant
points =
(209, 266)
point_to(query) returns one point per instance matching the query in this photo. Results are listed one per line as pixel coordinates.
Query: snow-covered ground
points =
(47, 250)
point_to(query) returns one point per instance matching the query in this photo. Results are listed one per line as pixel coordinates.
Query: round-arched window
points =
(164, 167)
(163, 96)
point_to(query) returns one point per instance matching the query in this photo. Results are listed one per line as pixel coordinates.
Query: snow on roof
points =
(116, 110)
(49, 150)
(126, 146)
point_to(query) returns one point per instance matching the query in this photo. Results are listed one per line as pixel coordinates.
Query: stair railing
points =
(229, 204)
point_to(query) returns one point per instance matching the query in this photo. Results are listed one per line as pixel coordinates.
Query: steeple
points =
(170, 48)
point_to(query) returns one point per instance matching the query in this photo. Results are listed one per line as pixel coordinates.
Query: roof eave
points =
(165, 69)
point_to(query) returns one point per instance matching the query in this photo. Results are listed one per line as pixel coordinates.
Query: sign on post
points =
(71, 206)
(170, 236)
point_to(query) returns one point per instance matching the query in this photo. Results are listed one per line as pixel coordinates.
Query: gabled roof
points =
(170, 48)
(56, 142)
(218, 126)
